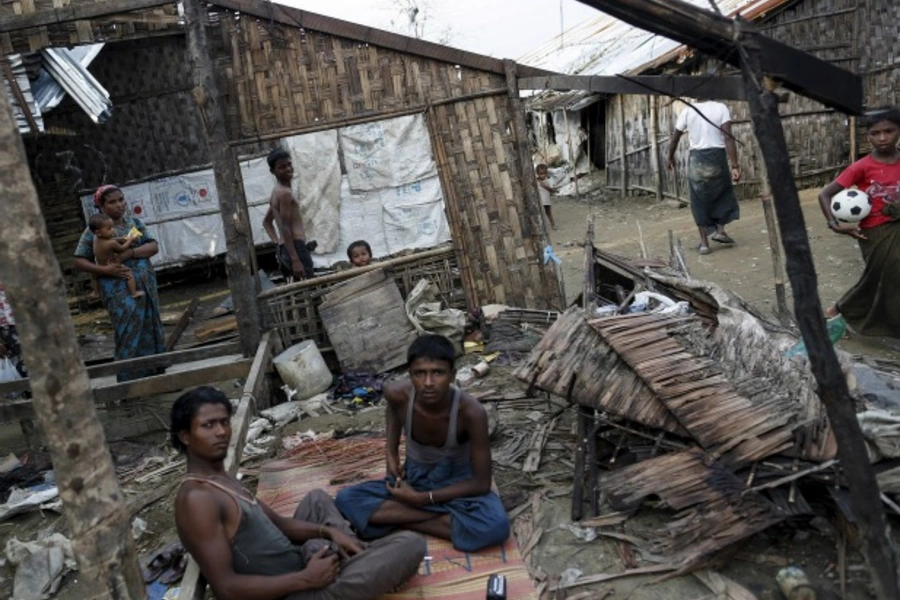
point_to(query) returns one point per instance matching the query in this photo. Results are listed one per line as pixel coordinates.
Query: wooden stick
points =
(183, 321)
(589, 579)
(791, 477)
(777, 258)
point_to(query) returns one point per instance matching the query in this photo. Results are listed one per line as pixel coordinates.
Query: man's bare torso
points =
(280, 194)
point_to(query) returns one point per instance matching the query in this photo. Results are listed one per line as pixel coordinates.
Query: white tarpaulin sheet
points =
(389, 197)
(317, 185)
(414, 215)
(387, 154)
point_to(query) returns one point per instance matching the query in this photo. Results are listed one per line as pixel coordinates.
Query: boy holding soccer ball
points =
(869, 307)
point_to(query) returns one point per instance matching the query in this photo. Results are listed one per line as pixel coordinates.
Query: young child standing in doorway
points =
(544, 189)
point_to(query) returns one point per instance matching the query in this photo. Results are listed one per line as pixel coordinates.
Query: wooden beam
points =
(147, 386)
(20, 97)
(717, 35)
(193, 585)
(831, 383)
(623, 143)
(655, 163)
(705, 87)
(144, 362)
(232, 201)
(183, 321)
(76, 12)
(295, 17)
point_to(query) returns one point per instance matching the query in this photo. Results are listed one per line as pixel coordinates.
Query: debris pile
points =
(705, 413)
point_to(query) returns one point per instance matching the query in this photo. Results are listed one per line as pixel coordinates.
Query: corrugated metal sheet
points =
(607, 46)
(64, 72)
(574, 100)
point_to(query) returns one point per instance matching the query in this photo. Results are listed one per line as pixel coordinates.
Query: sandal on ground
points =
(703, 249)
(162, 562)
(175, 570)
(722, 238)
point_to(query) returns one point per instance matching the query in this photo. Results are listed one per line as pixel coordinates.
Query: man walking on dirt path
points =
(713, 203)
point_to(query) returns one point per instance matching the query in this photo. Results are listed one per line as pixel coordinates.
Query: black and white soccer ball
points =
(851, 206)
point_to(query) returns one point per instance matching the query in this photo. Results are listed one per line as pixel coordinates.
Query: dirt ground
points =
(745, 269)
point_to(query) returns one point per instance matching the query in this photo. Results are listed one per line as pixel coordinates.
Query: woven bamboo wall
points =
(135, 24)
(493, 230)
(818, 137)
(280, 78)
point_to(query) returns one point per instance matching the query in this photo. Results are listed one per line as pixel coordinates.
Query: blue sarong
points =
(476, 522)
(136, 323)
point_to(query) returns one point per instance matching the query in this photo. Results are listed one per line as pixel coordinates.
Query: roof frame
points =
(724, 38)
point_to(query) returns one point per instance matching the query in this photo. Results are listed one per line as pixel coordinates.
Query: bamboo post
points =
(232, 203)
(623, 140)
(832, 386)
(655, 164)
(777, 258)
(555, 297)
(571, 153)
(854, 152)
(93, 502)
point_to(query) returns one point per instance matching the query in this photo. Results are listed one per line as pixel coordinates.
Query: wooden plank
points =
(726, 87)
(371, 331)
(353, 287)
(719, 36)
(215, 327)
(158, 384)
(76, 12)
(193, 585)
(183, 321)
(144, 362)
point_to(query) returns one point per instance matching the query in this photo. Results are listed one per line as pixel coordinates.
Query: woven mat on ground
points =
(449, 575)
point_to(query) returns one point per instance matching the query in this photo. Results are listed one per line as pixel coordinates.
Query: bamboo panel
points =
(498, 249)
(282, 77)
(134, 24)
(715, 507)
(572, 360)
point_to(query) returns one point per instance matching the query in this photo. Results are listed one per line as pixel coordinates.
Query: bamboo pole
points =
(832, 386)
(571, 153)
(623, 140)
(232, 202)
(854, 152)
(93, 502)
(655, 165)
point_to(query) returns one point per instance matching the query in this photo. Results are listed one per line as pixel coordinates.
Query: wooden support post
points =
(655, 163)
(832, 387)
(777, 259)
(571, 152)
(853, 147)
(623, 140)
(232, 204)
(93, 502)
(556, 297)
(20, 97)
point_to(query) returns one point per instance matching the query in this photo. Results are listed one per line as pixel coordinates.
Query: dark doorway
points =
(593, 120)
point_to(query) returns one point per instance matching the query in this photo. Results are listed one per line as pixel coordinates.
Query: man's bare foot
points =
(138, 294)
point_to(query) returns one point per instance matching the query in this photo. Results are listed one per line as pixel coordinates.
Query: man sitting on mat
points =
(444, 489)
(248, 552)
